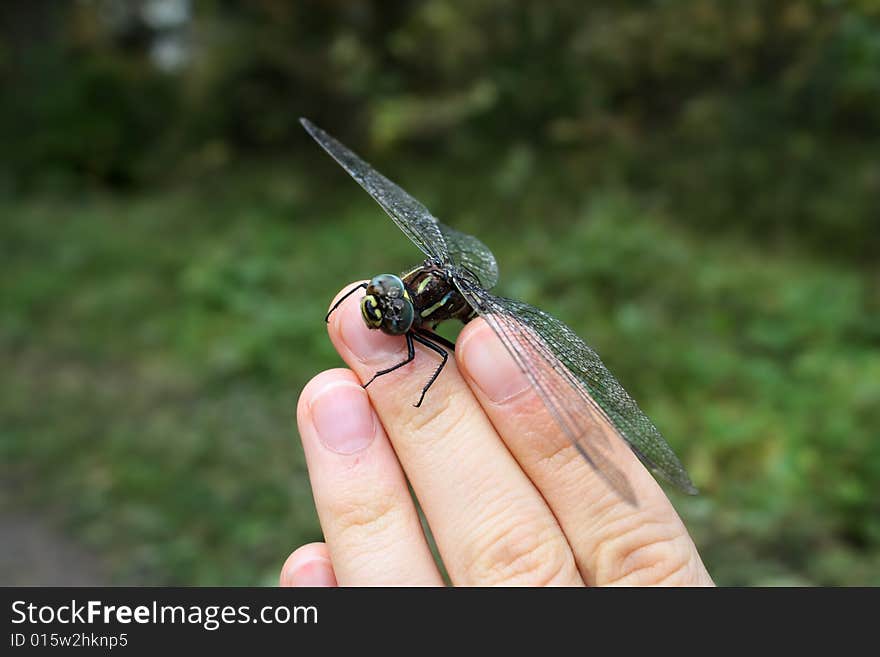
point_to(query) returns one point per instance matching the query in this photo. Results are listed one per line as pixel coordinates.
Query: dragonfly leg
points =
(410, 354)
(433, 337)
(440, 350)
(344, 297)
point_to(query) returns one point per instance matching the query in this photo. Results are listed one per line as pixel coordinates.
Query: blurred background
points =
(693, 186)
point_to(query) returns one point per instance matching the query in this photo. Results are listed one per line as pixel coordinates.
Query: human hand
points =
(508, 499)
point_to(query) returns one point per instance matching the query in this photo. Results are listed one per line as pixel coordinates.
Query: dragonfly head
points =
(387, 305)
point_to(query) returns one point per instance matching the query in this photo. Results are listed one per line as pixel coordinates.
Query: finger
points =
(370, 522)
(613, 541)
(490, 523)
(308, 565)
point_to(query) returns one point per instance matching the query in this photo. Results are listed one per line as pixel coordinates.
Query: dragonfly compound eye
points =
(386, 286)
(399, 316)
(371, 312)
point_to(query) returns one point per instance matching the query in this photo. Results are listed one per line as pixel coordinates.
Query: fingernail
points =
(317, 572)
(343, 418)
(489, 365)
(365, 343)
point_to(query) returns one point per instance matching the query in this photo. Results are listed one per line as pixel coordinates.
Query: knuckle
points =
(540, 436)
(368, 514)
(647, 553)
(518, 555)
(556, 453)
(439, 417)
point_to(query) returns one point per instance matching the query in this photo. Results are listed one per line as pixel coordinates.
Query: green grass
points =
(153, 347)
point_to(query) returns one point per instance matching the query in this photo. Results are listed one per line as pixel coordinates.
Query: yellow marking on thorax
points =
(427, 311)
(423, 284)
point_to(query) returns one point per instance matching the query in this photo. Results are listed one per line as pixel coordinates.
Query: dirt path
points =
(33, 553)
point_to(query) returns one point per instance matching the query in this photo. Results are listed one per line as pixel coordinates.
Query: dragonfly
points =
(453, 283)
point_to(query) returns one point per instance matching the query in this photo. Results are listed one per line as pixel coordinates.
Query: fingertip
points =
(485, 361)
(348, 289)
(334, 411)
(339, 311)
(308, 565)
(319, 383)
(352, 338)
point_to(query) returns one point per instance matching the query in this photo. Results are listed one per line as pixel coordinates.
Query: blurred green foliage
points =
(755, 116)
(697, 182)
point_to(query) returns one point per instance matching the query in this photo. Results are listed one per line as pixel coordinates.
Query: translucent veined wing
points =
(413, 218)
(577, 388)
(435, 239)
(469, 252)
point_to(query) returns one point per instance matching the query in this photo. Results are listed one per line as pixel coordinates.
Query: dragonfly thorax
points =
(434, 296)
(387, 305)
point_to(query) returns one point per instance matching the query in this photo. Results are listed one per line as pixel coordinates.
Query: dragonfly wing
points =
(582, 395)
(437, 240)
(413, 218)
(469, 252)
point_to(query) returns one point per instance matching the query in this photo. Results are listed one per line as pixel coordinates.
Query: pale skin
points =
(508, 499)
